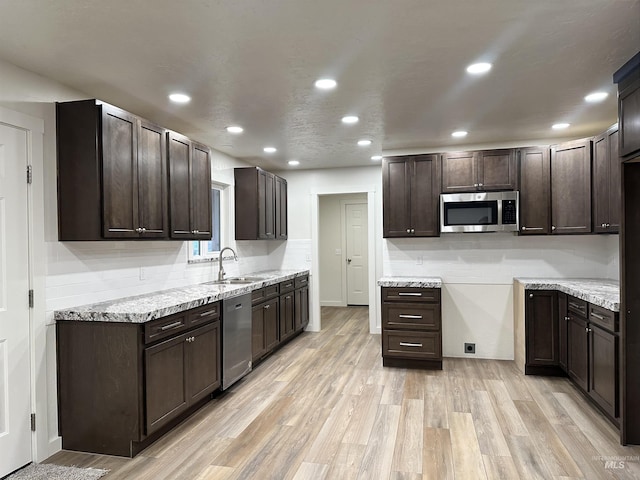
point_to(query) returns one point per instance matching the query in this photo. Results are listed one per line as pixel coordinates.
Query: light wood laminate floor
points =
(323, 407)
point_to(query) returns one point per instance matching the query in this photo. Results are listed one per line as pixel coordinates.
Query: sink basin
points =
(237, 281)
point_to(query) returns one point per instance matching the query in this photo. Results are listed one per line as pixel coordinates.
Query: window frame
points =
(211, 256)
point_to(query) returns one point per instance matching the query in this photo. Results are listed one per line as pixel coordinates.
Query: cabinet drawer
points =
(164, 327)
(287, 286)
(259, 295)
(411, 316)
(204, 314)
(577, 306)
(411, 294)
(417, 345)
(302, 281)
(603, 317)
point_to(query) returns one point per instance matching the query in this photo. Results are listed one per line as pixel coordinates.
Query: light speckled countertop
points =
(604, 293)
(142, 308)
(410, 282)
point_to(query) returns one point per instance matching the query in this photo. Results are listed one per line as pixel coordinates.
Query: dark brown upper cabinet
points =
(112, 179)
(535, 182)
(189, 189)
(410, 196)
(629, 113)
(484, 170)
(260, 205)
(607, 201)
(571, 187)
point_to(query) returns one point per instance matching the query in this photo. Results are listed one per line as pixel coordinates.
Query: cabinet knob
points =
(567, 318)
(608, 225)
(524, 229)
(604, 225)
(531, 295)
(475, 184)
(413, 230)
(553, 227)
(408, 230)
(267, 307)
(139, 230)
(144, 229)
(481, 184)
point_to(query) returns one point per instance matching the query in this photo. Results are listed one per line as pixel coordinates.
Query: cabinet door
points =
(459, 172)
(535, 183)
(257, 332)
(179, 186)
(287, 314)
(578, 351)
(541, 323)
(165, 396)
(615, 185)
(563, 320)
(497, 170)
(200, 181)
(266, 205)
(571, 187)
(281, 209)
(301, 316)
(396, 197)
(119, 173)
(629, 113)
(606, 183)
(152, 180)
(202, 361)
(603, 369)
(425, 196)
(271, 327)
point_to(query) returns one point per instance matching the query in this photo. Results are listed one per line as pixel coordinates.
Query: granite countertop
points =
(143, 308)
(410, 282)
(604, 293)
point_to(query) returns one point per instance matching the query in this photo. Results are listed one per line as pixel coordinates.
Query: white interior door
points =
(15, 384)
(357, 254)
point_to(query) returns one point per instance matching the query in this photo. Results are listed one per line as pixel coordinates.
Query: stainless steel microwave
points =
(479, 212)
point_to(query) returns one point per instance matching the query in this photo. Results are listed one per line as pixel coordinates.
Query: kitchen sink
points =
(237, 281)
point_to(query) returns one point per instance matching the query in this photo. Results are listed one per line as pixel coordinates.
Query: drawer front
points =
(287, 286)
(410, 294)
(411, 316)
(272, 291)
(204, 314)
(165, 327)
(302, 281)
(417, 345)
(604, 318)
(577, 306)
(258, 296)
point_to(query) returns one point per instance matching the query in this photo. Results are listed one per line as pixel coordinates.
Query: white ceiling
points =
(400, 66)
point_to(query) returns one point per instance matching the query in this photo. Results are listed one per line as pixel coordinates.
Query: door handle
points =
(348, 260)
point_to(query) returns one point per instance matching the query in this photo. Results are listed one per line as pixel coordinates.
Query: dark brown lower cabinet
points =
(603, 369)
(301, 303)
(123, 385)
(578, 351)
(411, 327)
(541, 326)
(287, 313)
(563, 326)
(264, 328)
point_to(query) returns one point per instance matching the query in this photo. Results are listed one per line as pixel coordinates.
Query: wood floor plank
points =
(410, 438)
(435, 402)
(500, 468)
(311, 471)
(504, 408)
(213, 472)
(361, 422)
(457, 392)
(467, 458)
(488, 430)
(437, 458)
(527, 459)
(346, 463)
(376, 462)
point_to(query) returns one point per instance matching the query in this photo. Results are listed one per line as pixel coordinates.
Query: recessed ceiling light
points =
(270, 149)
(326, 83)
(596, 97)
(179, 98)
(350, 119)
(293, 163)
(478, 68)
(560, 126)
(364, 143)
(376, 157)
(459, 134)
(235, 129)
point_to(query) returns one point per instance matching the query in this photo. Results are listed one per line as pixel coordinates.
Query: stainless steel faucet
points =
(220, 267)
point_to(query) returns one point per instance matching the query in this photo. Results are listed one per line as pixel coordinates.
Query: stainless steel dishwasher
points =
(236, 339)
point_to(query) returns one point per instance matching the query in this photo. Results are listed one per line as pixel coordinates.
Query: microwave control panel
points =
(508, 212)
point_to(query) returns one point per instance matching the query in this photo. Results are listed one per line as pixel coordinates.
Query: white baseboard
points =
(332, 303)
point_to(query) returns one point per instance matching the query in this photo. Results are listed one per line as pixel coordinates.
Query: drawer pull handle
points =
(209, 312)
(266, 307)
(416, 317)
(408, 294)
(407, 344)
(575, 305)
(599, 317)
(171, 325)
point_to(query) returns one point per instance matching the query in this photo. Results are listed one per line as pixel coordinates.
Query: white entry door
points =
(15, 384)
(357, 260)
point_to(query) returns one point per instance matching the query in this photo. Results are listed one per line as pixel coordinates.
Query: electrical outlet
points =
(307, 258)
(338, 251)
(469, 348)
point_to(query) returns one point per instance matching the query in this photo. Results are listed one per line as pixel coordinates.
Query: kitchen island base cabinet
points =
(123, 385)
(411, 327)
(541, 324)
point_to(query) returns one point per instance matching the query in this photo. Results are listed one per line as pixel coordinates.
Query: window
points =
(209, 249)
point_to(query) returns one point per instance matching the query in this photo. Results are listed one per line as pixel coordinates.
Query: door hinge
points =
(33, 422)
(29, 174)
(30, 298)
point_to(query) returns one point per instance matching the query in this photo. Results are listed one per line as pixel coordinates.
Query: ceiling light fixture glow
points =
(326, 83)
(560, 126)
(179, 98)
(596, 97)
(294, 163)
(235, 129)
(459, 134)
(479, 68)
(364, 143)
(376, 157)
(270, 149)
(350, 119)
